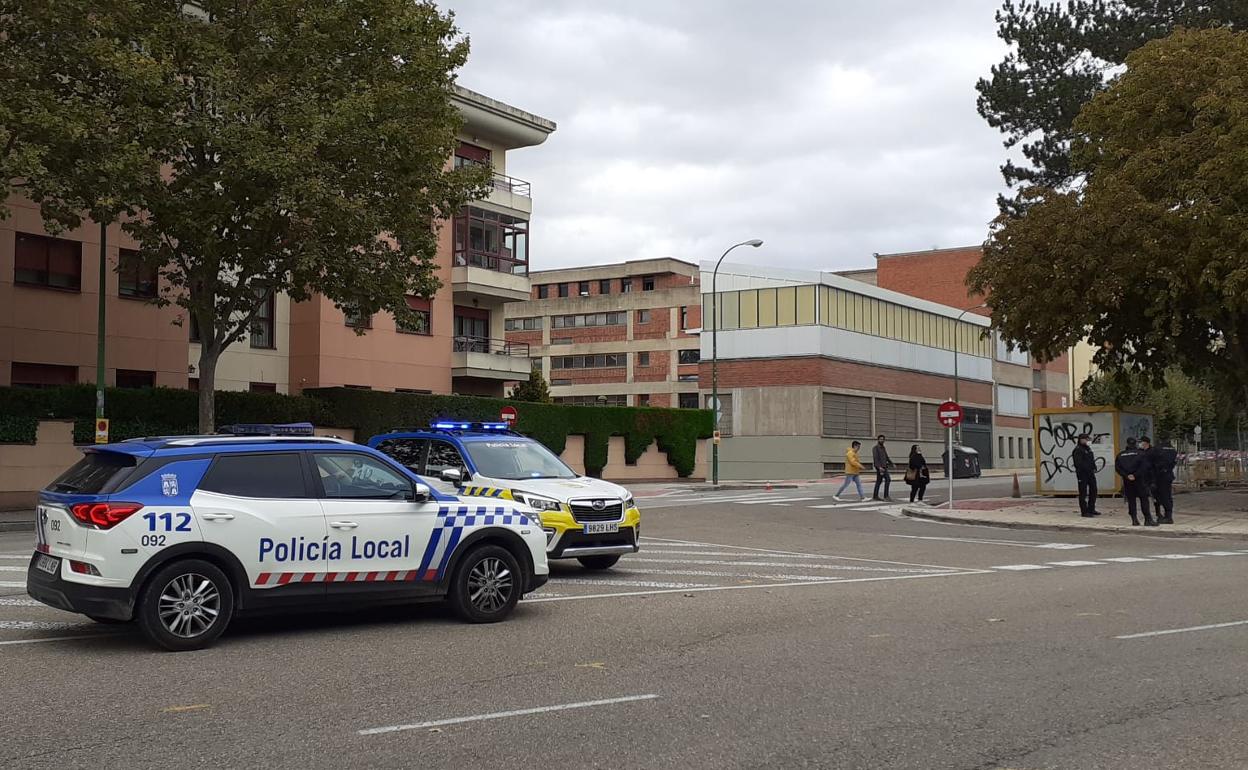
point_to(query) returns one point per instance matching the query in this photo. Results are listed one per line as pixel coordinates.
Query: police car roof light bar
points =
(268, 429)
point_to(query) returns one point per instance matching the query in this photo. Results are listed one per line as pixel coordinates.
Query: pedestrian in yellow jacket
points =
(853, 471)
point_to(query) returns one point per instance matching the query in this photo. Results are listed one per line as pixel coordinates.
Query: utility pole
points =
(99, 325)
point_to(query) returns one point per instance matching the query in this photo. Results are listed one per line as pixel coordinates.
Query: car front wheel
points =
(186, 605)
(487, 585)
(599, 562)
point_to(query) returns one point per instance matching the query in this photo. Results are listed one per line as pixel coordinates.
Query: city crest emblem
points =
(169, 484)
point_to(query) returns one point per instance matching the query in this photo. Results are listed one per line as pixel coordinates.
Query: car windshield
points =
(516, 460)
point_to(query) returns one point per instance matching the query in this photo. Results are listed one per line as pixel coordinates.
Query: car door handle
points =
(216, 516)
(343, 524)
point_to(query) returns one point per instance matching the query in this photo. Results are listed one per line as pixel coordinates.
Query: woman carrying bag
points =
(917, 474)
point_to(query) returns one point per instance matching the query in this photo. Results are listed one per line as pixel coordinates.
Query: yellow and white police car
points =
(182, 533)
(587, 519)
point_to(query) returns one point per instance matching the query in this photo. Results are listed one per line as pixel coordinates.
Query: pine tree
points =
(534, 390)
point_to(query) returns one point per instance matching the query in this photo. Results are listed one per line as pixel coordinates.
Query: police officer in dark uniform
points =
(1162, 460)
(1085, 472)
(1132, 467)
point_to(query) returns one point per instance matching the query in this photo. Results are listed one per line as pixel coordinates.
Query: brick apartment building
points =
(49, 292)
(810, 361)
(623, 334)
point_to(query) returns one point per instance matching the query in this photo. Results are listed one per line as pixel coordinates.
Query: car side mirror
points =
(453, 475)
(420, 493)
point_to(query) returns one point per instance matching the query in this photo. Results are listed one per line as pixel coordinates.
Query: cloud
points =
(830, 130)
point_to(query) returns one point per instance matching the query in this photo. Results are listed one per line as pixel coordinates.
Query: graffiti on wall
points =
(1056, 437)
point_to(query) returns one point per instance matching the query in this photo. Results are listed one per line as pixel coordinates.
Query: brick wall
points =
(937, 276)
(587, 334)
(590, 376)
(656, 328)
(658, 370)
(534, 338)
(693, 320)
(830, 373)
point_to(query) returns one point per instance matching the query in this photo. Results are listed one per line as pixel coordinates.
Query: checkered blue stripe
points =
(453, 520)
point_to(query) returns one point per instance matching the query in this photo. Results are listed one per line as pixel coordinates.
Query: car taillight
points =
(82, 568)
(103, 515)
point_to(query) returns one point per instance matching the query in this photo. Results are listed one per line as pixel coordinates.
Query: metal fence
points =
(1218, 458)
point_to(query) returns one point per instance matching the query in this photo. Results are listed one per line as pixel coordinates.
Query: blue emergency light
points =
(470, 426)
(268, 429)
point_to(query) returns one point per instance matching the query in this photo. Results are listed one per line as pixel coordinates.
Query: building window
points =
(618, 318)
(556, 381)
(491, 240)
(522, 324)
(561, 340)
(598, 361)
(42, 375)
(422, 320)
(1001, 447)
(686, 378)
(647, 283)
(626, 285)
(563, 290)
(643, 359)
(643, 316)
(133, 378)
(262, 387)
(848, 416)
(643, 399)
(604, 286)
(262, 335)
(471, 155)
(53, 263)
(687, 400)
(1010, 354)
(691, 356)
(1030, 456)
(582, 288)
(896, 419)
(356, 319)
(134, 278)
(472, 332)
(684, 317)
(615, 399)
(1010, 443)
(1015, 402)
(543, 291)
(536, 364)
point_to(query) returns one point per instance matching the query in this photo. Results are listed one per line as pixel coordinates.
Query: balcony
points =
(510, 193)
(490, 359)
(511, 185)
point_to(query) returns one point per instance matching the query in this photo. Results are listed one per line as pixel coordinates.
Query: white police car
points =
(182, 533)
(587, 519)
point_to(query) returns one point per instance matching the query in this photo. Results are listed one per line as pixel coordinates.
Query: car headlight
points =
(538, 504)
(630, 502)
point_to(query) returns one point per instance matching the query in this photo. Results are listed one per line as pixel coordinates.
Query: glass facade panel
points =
(766, 307)
(749, 309)
(730, 310)
(805, 304)
(786, 306)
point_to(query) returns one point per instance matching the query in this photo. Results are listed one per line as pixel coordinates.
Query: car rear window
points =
(94, 473)
(405, 450)
(269, 475)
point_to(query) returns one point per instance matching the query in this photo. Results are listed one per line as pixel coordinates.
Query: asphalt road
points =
(754, 630)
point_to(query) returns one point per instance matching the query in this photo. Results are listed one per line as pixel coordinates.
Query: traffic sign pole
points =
(950, 468)
(949, 414)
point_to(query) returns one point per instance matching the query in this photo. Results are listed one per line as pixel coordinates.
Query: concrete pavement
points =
(800, 635)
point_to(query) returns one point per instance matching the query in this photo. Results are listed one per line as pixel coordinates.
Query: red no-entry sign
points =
(508, 414)
(949, 414)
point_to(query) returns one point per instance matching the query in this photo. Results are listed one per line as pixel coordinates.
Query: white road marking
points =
(789, 565)
(776, 555)
(780, 500)
(20, 601)
(648, 543)
(1168, 631)
(22, 556)
(39, 625)
(504, 714)
(1019, 543)
(839, 505)
(12, 584)
(1220, 553)
(54, 639)
(1075, 563)
(773, 552)
(1022, 567)
(781, 505)
(1125, 559)
(715, 573)
(603, 582)
(828, 581)
(1176, 556)
(873, 508)
(6, 568)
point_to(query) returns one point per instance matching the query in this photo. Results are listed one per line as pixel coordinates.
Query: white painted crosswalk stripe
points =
(1075, 563)
(790, 565)
(39, 625)
(1022, 567)
(15, 556)
(779, 500)
(800, 556)
(12, 584)
(716, 573)
(1176, 556)
(606, 582)
(1221, 553)
(839, 505)
(7, 568)
(1125, 559)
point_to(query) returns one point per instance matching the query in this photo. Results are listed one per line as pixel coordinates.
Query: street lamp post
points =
(955, 364)
(755, 242)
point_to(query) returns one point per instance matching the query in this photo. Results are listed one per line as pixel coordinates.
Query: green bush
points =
(165, 411)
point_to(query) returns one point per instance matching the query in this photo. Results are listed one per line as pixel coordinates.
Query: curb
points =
(916, 513)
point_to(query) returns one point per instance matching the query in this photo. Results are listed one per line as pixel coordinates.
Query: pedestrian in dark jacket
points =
(1085, 473)
(1161, 461)
(882, 463)
(1133, 469)
(917, 474)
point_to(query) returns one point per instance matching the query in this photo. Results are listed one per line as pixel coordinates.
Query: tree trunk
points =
(207, 388)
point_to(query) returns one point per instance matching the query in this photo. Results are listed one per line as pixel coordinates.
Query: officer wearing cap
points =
(1161, 461)
(1132, 467)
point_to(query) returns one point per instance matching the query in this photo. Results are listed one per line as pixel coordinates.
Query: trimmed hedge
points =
(156, 411)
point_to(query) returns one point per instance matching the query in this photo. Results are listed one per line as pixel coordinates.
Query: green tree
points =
(1061, 55)
(301, 147)
(1147, 258)
(1178, 404)
(533, 390)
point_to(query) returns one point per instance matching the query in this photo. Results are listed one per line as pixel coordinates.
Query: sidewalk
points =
(1216, 513)
(652, 488)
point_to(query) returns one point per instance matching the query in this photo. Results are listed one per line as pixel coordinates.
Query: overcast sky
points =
(831, 129)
